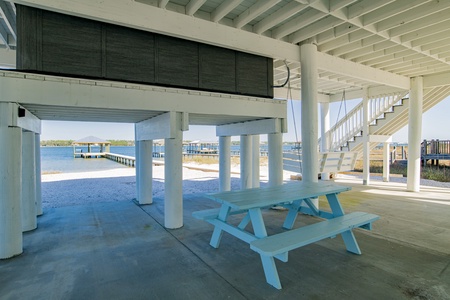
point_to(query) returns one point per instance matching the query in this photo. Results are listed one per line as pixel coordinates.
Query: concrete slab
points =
(121, 251)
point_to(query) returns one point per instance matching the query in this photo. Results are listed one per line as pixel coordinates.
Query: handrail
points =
(352, 124)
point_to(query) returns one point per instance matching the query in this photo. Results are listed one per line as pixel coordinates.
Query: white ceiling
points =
(361, 43)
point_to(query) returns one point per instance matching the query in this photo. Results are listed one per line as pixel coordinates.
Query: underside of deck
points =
(122, 251)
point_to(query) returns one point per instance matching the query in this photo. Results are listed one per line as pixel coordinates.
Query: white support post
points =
(246, 161)
(275, 141)
(173, 180)
(366, 143)
(224, 163)
(137, 167)
(145, 172)
(38, 175)
(255, 161)
(325, 127)
(386, 161)
(414, 134)
(10, 186)
(310, 122)
(28, 203)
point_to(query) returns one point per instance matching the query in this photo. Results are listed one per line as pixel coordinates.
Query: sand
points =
(119, 184)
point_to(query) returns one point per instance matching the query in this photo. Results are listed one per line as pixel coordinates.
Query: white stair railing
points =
(351, 125)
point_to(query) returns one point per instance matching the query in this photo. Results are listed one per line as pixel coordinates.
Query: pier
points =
(435, 150)
(121, 159)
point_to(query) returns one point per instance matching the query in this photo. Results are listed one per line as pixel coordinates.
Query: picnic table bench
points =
(296, 197)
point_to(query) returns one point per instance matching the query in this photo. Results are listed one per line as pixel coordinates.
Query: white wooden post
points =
(10, 187)
(137, 168)
(255, 161)
(224, 163)
(28, 203)
(145, 178)
(246, 161)
(173, 181)
(310, 133)
(386, 161)
(414, 134)
(275, 141)
(38, 174)
(366, 144)
(325, 127)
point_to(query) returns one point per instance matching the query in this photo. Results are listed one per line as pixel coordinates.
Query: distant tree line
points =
(54, 143)
(66, 143)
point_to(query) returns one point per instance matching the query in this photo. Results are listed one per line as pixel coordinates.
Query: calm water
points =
(60, 159)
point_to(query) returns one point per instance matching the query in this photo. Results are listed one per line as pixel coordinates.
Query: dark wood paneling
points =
(130, 54)
(269, 77)
(217, 69)
(177, 62)
(71, 45)
(251, 74)
(56, 43)
(29, 34)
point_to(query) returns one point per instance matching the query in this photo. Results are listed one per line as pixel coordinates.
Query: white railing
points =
(351, 125)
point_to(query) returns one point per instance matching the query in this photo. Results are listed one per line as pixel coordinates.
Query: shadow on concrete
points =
(120, 250)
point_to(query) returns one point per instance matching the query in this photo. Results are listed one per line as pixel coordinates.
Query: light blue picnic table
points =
(250, 203)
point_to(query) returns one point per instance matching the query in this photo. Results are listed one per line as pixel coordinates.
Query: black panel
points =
(269, 78)
(177, 62)
(71, 45)
(55, 43)
(29, 36)
(217, 69)
(130, 54)
(251, 74)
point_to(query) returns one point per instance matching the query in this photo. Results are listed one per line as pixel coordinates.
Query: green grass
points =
(438, 173)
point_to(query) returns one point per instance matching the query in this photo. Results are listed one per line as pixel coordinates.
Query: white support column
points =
(173, 181)
(38, 174)
(10, 187)
(137, 167)
(386, 161)
(325, 127)
(224, 163)
(255, 161)
(145, 191)
(414, 134)
(275, 141)
(310, 133)
(309, 113)
(246, 161)
(366, 144)
(28, 203)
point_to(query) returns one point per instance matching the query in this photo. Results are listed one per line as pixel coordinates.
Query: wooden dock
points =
(91, 155)
(435, 150)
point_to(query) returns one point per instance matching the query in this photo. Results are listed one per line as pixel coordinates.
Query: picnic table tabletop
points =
(267, 196)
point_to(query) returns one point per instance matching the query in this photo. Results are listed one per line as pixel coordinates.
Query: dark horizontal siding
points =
(129, 54)
(62, 50)
(60, 44)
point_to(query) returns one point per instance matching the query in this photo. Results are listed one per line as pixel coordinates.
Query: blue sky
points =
(436, 122)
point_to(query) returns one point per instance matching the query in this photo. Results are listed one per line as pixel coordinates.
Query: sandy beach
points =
(64, 189)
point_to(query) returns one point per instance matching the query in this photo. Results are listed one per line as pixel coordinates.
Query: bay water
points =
(61, 160)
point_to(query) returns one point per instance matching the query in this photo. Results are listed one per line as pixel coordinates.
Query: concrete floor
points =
(121, 251)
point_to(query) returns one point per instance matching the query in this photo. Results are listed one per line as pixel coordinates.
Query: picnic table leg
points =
(244, 222)
(257, 222)
(350, 242)
(270, 270)
(217, 233)
(292, 214)
(347, 236)
(268, 262)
